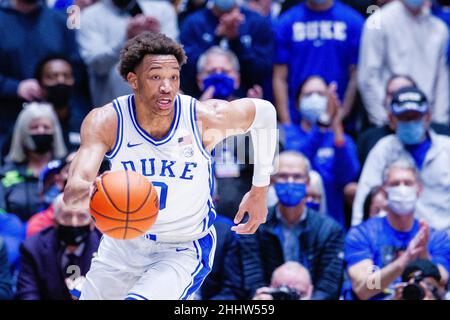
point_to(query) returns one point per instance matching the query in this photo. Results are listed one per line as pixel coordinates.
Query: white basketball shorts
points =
(144, 269)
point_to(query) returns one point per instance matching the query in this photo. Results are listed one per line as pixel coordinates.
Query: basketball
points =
(124, 204)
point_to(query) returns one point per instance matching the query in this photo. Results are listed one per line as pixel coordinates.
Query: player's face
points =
(157, 82)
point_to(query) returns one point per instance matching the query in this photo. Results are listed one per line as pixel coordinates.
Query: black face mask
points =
(59, 95)
(43, 142)
(30, 1)
(123, 4)
(73, 236)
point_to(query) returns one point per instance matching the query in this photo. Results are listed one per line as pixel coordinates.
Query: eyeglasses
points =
(286, 177)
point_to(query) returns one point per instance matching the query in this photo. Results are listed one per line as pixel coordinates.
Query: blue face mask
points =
(290, 194)
(225, 5)
(414, 4)
(223, 85)
(313, 205)
(411, 132)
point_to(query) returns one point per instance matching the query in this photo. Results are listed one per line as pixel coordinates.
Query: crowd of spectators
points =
(359, 201)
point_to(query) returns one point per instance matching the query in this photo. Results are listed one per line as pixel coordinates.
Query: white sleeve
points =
(264, 135)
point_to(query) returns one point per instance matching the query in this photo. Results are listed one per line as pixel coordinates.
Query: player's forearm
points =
(280, 90)
(76, 192)
(264, 139)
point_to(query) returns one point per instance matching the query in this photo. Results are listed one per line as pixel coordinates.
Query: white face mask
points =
(312, 106)
(402, 199)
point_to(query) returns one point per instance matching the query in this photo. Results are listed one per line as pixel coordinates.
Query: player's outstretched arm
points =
(98, 133)
(220, 119)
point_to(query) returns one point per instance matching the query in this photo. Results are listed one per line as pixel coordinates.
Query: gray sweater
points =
(396, 42)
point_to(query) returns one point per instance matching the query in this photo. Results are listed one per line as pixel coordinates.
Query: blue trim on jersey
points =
(145, 134)
(151, 236)
(119, 132)
(196, 130)
(133, 296)
(205, 246)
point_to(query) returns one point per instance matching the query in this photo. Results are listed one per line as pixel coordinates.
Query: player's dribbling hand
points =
(254, 204)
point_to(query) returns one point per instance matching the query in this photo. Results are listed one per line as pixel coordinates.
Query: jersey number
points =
(162, 193)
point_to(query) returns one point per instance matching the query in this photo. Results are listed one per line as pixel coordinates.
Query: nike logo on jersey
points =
(181, 249)
(130, 145)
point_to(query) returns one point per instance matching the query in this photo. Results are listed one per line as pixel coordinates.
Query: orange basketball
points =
(124, 204)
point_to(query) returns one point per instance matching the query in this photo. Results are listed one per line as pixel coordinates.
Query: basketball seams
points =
(144, 202)
(118, 228)
(109, 197)
(121, 220)
(110, 215)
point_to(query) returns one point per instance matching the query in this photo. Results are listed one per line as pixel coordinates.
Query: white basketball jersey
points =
(178, 166)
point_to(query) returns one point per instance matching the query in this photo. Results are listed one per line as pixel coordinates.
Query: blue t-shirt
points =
(419, 151)
(324, 43)
(375, 239)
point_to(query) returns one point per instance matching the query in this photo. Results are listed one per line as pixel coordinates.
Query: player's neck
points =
(156, 125)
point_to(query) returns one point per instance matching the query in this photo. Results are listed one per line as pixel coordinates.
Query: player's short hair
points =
(201, 63)
(145, 43)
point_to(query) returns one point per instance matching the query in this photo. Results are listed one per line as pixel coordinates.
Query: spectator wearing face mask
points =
(294, 232)
(317, 37)
(31, 31)
(369, 138)
(404, 38)
(106, 26)
(410, 118)
(55, 76)
(320, 136)
(226, 24)
(52, 182)
(37, 139)
(53, 258)
(378, 250)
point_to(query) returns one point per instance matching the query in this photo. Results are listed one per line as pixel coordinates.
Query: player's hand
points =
(254, 204)
(29, 90)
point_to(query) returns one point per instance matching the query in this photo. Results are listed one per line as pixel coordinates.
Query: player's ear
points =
(132, 80)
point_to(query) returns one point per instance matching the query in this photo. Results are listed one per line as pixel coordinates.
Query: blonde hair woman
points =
(37, 139)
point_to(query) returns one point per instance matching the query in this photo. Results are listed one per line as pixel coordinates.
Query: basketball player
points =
(169, 138)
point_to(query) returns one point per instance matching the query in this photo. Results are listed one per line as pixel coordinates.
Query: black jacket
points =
(321, 243)
(225, 280)
(6, 291)
(41, 276)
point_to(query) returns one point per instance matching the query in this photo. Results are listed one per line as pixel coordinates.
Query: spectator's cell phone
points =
(135, 9)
